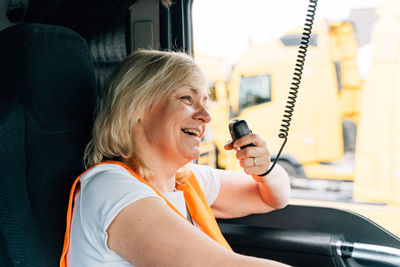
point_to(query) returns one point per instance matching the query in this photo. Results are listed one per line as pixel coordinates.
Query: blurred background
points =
(343, 145)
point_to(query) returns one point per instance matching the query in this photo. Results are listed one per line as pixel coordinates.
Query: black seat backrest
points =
(48, 94)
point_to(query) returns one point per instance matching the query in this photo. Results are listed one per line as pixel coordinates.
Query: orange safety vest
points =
(196, 202)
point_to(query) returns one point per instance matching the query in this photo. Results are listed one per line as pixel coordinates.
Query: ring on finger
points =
(255, 163)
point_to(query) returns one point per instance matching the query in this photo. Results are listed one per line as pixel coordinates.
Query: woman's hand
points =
(273, 189)
(255, 160)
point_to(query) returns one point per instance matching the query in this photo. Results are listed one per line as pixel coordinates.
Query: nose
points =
(202, 114)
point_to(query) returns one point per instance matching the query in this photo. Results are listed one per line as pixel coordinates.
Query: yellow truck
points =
(332, 103)
(322, 136)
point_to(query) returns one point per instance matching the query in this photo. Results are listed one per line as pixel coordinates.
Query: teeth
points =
(192, 132)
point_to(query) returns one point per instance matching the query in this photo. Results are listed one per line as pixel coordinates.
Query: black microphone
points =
(239, 128)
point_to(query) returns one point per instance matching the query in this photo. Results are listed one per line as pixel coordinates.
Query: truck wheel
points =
(289, 168)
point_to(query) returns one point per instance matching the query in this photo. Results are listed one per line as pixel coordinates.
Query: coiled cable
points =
(298, 71)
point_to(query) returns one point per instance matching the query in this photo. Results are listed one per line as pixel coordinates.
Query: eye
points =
(187, 98)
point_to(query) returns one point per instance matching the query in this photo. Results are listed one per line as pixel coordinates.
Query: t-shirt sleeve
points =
(104, 195)
(209, 181)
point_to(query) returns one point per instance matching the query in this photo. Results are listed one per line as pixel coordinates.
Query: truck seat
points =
(47, 100)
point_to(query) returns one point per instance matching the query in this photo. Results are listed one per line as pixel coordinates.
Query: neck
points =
(163, 175)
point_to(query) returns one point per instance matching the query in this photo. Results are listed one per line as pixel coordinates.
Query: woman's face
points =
(174, 127)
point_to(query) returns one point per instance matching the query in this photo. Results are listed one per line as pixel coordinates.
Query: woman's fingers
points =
(255, 160)
(253, 151)
(255, 166)
(252, 138)
(229, 145)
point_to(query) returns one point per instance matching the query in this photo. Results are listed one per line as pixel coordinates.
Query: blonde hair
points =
(141, 81)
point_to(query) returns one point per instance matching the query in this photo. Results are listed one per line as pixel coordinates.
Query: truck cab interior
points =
(55, 57)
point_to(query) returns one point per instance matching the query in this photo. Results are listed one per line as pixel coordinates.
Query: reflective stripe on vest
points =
(195, 200)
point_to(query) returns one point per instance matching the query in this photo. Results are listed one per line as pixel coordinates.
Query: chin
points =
(188, 153)
(193, 155)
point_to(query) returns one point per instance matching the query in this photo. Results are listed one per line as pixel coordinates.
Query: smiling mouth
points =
(192, 132)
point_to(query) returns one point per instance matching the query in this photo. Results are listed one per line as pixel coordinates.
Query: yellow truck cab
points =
(329, 93)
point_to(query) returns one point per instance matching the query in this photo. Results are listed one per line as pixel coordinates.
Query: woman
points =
(141, 183)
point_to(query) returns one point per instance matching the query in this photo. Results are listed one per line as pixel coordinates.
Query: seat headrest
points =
(44, 68)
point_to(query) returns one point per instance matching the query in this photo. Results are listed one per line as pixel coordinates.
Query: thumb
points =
(229, 145)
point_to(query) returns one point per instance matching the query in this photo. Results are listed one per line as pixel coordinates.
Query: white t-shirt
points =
(105, 191)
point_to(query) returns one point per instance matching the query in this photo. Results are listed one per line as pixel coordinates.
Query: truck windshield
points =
(254, 90)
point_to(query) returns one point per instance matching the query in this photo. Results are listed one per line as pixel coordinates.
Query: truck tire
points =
(289, 168)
